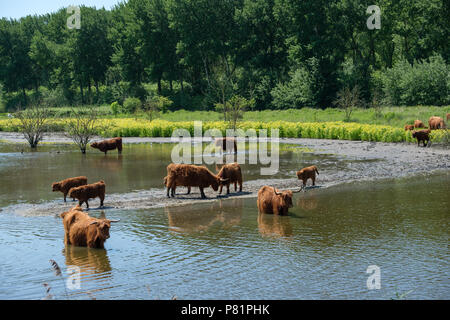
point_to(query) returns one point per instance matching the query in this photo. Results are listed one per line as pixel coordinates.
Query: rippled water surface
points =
(225, 249)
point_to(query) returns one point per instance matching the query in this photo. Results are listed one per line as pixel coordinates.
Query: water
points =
(224, 249)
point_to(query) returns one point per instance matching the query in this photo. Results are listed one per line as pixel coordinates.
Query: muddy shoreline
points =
(367, 161)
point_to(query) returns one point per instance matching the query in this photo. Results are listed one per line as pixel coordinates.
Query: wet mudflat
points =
(222, 248)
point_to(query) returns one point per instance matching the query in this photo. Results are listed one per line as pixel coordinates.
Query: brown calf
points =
(106, 145)
(232, 174)
(308, 173)
(89, 191)
(409, 127)
(422, 135)
(65, 185)
(418, 124)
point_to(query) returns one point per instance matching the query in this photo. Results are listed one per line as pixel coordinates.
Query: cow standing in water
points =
(271, 200)
(106, 145)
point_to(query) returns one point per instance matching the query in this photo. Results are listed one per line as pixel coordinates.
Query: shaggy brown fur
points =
(308, 173)
(89, 191)
(418, 124)
(106, 145)
(422, 135)
(270, 200)
(232, 172)
(436, 123)
(174, 191)
(448, 116)
(409, 127)
(85, 231)
(65, 185)
(191, 176)
(227, 143)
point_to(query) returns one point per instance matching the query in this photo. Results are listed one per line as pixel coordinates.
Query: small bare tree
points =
(33, 123)
(235, 108)
(348, 99)
(83, 127)
(154, 105)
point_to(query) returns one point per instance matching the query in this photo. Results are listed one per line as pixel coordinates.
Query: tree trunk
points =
(159, 85)
(81, 91)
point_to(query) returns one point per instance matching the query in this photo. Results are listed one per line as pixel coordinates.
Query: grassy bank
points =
(316, 130)
(392, 116)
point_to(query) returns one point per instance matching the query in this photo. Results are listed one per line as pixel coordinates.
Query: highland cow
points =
(65, 185)
(106, 145)
(89, 191)
(174, 191)
(409, 127)
(435, 123)
(270, 200)
(227, 144)
(418, 124)
(82, 230)
(231, 172)
(191, 176)
(422, 135)
(308, 173)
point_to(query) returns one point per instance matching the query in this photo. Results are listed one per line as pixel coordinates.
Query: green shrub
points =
(130, 105)
(115, 107)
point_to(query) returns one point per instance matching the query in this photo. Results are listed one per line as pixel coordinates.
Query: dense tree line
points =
(281, 53)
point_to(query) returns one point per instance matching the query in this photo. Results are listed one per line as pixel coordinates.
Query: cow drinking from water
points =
(190, 175)
(65, 185)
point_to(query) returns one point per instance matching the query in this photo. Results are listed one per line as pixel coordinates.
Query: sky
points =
(21, 8)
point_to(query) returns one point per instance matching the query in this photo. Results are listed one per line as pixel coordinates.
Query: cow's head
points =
(300, 174)
(103, 226)
(94, 145)
(414, 134)
(219, 182)
(56, 186)
(285, 198)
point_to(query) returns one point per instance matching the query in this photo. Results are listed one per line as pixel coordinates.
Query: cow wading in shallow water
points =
(106, 145)
(272, 201)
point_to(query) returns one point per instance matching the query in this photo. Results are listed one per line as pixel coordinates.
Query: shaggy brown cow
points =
(89, 191)
(409, 127)
(65, 185)
(448, 116)
(106, 145)
(232, 172)
(418, 124)
(436, 123)
(308, 173)
(188, 187)
(422, 135)
(227, 144)
(82, 230)
(270, 200)
(191, 176)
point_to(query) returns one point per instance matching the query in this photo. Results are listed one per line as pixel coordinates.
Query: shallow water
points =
(225, 249)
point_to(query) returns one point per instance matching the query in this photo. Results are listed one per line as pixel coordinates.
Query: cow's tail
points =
(315, 169)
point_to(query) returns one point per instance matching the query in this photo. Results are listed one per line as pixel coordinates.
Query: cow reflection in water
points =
(271, 225)
(109, 163)
(90, 261)
(227, 213)
(308, 202)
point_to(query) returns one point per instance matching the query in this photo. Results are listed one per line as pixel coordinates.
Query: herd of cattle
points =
(82, 230)
(434, 123)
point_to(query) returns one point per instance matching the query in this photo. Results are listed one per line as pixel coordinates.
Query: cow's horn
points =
(275, 190)
(114, 220)
(93, 222)
(301, 188)
(224, 180)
